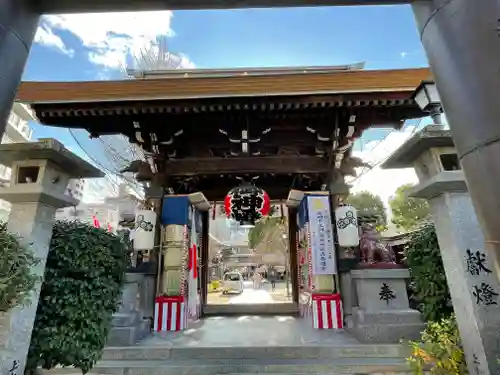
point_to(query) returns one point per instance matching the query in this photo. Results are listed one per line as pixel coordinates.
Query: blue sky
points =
(90, 47)
(385, 37)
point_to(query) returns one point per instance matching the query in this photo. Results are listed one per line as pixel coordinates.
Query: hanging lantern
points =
(144, 233)
(246, 204)
(346, 220)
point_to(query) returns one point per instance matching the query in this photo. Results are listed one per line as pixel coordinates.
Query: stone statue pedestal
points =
(129, 325)
(383, 314)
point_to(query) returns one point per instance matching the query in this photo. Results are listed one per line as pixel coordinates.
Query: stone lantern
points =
(473, 286)
(40, 173)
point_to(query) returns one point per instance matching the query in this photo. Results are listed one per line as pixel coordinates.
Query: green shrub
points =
(16, 277)
(83, 279)
(439, 349)
(428, 285)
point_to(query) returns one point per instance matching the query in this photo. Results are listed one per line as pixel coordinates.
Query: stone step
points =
(251, 309)
(153, 353)
(252, 366)
(371, 373)
(129, 335)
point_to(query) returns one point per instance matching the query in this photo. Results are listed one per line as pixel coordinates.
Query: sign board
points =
(321, 236)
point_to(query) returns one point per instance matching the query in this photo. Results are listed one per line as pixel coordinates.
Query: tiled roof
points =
(293, 84)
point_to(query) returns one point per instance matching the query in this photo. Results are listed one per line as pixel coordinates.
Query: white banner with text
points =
(322, 244)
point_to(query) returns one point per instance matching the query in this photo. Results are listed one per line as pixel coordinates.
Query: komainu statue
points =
(373, 251)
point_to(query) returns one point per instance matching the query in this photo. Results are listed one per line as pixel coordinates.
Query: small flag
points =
(95, 222)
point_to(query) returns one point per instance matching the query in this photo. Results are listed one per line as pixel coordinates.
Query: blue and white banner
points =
(321, 236)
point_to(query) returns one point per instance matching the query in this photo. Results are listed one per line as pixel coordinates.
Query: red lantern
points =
(246, 204)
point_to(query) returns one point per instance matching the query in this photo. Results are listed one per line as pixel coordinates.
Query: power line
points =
(365, 171)
(114, 184)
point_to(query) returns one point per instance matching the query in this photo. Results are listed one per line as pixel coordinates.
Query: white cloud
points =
(45, 36)
(379, 181)
(405, 54)
(110, 37)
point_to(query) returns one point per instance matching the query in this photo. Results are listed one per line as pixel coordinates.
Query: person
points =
(272, 279)
(256, 280)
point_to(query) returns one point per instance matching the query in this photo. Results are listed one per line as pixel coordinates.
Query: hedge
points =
(83, 279)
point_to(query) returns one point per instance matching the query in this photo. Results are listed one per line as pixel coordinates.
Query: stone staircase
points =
(289, 360)
(251, 345)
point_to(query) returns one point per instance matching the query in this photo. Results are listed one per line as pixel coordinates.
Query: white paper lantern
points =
(346, 220)
(144, 233)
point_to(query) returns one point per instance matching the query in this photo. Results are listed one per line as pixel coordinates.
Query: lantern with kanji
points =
(246, 204)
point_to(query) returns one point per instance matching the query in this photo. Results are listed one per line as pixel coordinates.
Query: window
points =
(450, 162)
(27, 174)
(232, 277)
(14, 120)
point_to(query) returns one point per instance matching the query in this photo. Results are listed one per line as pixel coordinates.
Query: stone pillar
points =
(32, 221)
(32, 217)
(129, 327)
(469, 268)
(461, 38)
(473, 287)
(18, 25)
(148, 289)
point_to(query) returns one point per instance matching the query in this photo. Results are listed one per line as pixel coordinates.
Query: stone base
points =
(386, 327)
(127, 319)
(128, 329)
(129, 335)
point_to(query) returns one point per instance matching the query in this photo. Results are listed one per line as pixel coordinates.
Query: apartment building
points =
(108, 212)
(17, 130)
(76, 189)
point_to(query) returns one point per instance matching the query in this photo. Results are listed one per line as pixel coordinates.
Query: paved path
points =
(251, 295)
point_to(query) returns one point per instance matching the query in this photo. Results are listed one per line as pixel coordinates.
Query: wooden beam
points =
(246, 165)
(71, 6)
(274, 192)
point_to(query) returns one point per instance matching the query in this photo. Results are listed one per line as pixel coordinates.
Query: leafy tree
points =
(83, 279)
(263, 226)
(16, 277)
(408, 213)
(262, 229)
(368, 203)
(428, 287)
(272, 235)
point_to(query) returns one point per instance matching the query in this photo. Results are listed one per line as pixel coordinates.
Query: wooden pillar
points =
(204, 257)
(292, 249)
(344, 284)
(154, 199)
